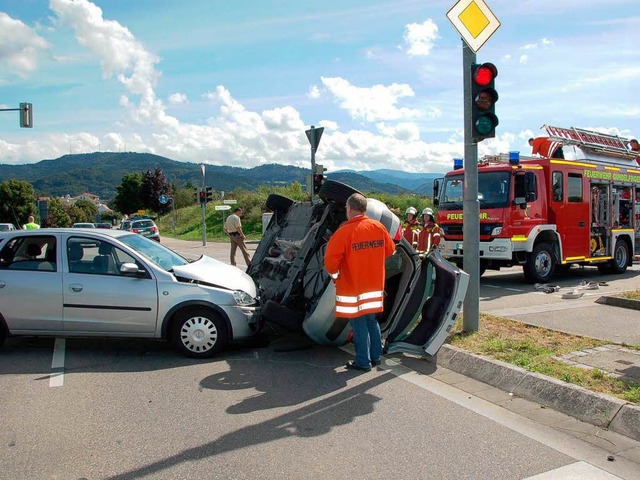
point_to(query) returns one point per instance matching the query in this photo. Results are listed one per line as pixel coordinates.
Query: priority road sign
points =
(474, 21)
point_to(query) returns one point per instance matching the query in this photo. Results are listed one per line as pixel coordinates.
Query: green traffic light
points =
(485, 124)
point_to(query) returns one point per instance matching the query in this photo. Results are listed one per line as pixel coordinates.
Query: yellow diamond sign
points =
(474, 21)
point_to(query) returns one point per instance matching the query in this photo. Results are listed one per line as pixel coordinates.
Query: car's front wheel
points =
(199, 333)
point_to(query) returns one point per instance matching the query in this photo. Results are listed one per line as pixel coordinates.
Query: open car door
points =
(427, 303)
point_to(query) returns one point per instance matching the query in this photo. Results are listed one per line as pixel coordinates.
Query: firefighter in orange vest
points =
(431, 233)
(411, 227)
(355, 259)
(546, 148)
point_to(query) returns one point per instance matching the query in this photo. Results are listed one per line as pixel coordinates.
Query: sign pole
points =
(313, 135)
(470, 204)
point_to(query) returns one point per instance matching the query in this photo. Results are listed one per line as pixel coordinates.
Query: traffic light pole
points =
(204, 212)
(470, 205)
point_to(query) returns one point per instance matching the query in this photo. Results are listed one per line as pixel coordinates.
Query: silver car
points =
(117, 283)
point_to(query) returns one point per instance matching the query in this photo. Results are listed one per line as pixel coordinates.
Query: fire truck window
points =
(558, 193)
(574, 187)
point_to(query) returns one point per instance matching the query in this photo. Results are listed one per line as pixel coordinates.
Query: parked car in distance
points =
(6, 227)
(83, 225)
(125, 225)
(103, 225)
(114, 283)
(145, 227)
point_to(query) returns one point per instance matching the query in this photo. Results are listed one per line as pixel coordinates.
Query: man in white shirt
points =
(233, 226)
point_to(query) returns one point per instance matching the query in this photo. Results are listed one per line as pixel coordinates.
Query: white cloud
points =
(314, 92)
(373, 103)
(20, 46)
(178, 98)
(420, 37)
(524, 59)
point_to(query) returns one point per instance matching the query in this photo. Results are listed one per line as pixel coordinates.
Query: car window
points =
(95, 257)
(157, 253)
(36, 253)
(142, 224)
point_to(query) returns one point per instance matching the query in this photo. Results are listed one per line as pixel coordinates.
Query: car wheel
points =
(336, 191)
(278, 203)
(199, 333)
(540, 265)
(618, 263)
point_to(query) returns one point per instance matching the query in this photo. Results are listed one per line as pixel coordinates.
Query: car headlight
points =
(496, 231)
(243, 298)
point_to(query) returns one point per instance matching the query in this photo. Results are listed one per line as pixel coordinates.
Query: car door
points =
(31, 287)
(426, 305)
(96, 300)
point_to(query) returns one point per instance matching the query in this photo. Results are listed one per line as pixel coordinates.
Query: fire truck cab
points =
(547, 214)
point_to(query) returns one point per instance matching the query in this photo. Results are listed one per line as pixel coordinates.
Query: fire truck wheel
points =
(540, 265)
(620, 259)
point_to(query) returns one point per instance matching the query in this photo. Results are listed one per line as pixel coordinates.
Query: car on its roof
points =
(423, 292)
(5, 227)
(114, 283)
(83, 225)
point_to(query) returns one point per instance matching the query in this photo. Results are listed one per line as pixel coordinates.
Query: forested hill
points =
(100, 173)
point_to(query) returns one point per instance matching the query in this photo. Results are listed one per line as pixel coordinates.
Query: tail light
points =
(398, 234)
(134, 230)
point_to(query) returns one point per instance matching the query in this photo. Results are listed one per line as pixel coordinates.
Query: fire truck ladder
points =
(587, 140)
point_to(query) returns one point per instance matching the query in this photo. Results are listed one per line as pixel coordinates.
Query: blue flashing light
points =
(458, 163)
(514, 158)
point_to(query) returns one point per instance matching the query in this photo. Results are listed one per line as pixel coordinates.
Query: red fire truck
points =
(548, 214)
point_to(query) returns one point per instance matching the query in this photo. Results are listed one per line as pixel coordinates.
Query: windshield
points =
(493, 191)
(157, 253)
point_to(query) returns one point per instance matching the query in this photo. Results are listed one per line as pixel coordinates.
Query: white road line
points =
(504, 288)
(57, 363)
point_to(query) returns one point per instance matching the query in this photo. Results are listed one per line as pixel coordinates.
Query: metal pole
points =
(470, 206)
(204, 212)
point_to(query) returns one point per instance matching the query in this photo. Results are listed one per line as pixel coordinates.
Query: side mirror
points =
(436, 191)
(129, 269)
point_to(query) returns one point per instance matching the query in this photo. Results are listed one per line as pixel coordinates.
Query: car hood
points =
(214, 272)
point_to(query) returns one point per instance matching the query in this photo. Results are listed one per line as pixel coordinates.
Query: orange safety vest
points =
(355, 259)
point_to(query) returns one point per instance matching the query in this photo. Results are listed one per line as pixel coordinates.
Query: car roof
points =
(102, 232)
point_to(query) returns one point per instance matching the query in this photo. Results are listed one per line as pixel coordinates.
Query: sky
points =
(238, 82)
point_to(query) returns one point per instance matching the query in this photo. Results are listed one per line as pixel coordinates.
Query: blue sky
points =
(238, 82)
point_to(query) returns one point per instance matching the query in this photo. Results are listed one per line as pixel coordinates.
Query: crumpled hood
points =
(215, 272)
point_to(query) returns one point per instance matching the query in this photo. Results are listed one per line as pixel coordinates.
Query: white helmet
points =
(427, 211)
(411, 211)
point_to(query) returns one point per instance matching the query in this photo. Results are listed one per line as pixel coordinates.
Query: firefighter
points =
(431, 233)
(411, 227)
(546, 148)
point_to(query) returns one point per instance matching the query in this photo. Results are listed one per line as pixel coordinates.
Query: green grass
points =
(533, 349)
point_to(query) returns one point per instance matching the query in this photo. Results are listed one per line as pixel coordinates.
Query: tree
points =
(57, 217)
(17, 201)
(128, 194)
(88, 211)
(154, 184)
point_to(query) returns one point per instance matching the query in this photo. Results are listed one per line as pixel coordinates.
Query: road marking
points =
(578, 470)
(504, 288)
(56, 379)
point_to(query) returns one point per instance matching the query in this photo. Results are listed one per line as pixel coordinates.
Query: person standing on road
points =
(355, 259)
(31, 224)
(233, 226)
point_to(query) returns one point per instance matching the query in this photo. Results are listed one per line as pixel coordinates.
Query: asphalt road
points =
(130, 409)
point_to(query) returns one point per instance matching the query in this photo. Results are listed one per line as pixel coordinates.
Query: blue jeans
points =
(366, 339)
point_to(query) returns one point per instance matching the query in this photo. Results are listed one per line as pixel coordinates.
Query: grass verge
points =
(533, 349)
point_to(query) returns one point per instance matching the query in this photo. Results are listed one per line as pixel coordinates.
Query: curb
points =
(619, 302)
(600, 410)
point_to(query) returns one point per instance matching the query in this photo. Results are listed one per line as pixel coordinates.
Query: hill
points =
(100, 173)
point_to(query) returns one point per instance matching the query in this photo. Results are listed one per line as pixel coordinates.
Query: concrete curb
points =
(591, 407)
(619, 302)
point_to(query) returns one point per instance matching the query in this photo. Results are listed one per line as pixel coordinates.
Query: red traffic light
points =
(485, 74)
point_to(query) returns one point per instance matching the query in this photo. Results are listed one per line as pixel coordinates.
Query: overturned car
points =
(423, 292)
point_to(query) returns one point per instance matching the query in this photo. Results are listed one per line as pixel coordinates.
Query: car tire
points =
(199, 333)
(332, 191)
(541, 264)
(278, 203)
(618, 263)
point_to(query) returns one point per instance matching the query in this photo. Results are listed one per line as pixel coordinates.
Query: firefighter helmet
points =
(411, 211)
(427, 211)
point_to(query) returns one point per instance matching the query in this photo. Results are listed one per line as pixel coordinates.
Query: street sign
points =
(230, 202)
(163, 199)
(314, 135)
(223, 207)
(474, 21)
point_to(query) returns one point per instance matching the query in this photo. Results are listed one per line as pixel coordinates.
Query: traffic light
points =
(209, 194)
(26, 115)
(483, 101)
(195, 194)
(318, 177)
(203, 198)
